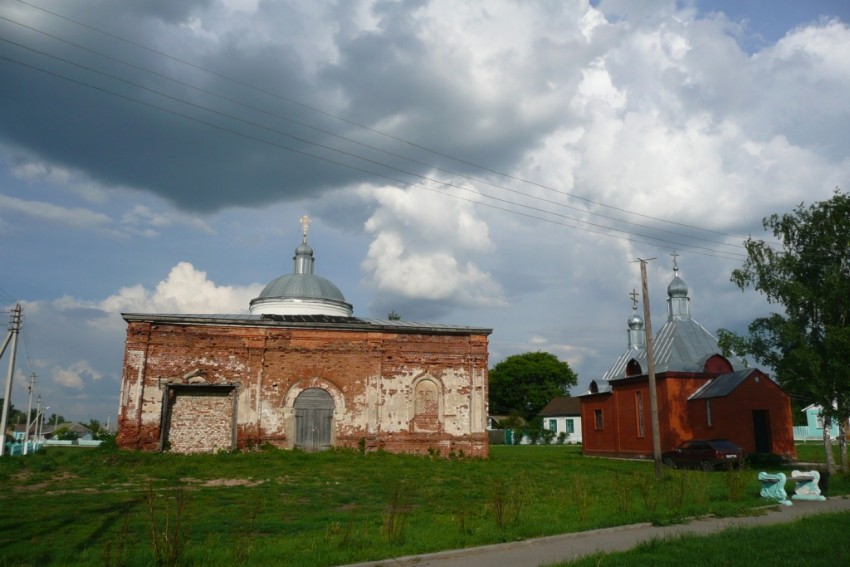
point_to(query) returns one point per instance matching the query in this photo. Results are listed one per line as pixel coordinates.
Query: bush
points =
(761, 460)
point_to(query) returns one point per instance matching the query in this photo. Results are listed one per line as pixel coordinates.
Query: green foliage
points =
(809, 276)
(523, 383)
(65, 434)
(393, 316)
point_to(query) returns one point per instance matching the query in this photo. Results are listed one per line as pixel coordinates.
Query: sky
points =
(497, 164)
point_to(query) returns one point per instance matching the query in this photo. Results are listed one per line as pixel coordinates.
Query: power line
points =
(697, 249)
(325, 131)
(370, 129)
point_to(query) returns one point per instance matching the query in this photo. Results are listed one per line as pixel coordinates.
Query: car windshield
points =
(723, 445)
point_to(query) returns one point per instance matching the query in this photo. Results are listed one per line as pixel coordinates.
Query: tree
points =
(393, 316)
(808, 274)
(64, 433)
(55, 419)
(523, 383)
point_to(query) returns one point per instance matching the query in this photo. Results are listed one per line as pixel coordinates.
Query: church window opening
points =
(639, 414)
(708, 412)
(597, 419)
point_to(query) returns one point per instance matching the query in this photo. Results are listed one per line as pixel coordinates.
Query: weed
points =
(116, 555)
(246, 534)
(676, 495)
(507, 502)
(736, 482)
(581, 496)
(648, 488)
(397, 513)
(623, 493)
(167, 526)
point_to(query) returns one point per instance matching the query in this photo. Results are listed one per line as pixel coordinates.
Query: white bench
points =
(806, 487)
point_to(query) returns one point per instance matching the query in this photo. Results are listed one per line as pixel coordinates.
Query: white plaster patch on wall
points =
(246, 411)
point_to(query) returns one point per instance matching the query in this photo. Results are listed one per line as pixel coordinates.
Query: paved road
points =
(554, 549)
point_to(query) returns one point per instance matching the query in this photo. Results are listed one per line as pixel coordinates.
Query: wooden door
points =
(314, 409)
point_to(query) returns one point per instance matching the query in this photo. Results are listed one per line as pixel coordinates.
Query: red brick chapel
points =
(300, 371)
(701, 394)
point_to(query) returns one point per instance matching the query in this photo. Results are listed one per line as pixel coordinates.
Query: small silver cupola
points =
(678, 302)
(636, 332)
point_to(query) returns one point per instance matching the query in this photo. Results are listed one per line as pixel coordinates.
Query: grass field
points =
(100, 507)
(813, 541)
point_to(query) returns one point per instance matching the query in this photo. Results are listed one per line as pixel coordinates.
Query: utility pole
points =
(650, 363)
(14, 328)
(29, 413)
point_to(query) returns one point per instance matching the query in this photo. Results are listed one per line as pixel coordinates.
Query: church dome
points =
(304, 286)
(677, 288)
(302, 292)
(635, 322)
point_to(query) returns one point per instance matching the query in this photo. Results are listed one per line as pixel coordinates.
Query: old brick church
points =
(300, 371)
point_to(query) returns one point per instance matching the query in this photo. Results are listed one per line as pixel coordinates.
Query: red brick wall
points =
(371, 376)
(681, 419)
(732, 416)
(598, 441)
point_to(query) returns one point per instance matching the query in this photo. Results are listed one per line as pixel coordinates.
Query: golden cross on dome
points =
(305, 225)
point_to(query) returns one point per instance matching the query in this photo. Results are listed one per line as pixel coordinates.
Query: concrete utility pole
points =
(14, 328)
(29, 413)
(650, 363)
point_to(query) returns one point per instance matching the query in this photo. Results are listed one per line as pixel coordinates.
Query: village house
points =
(562, 416)
(701, 394)
(300, 371)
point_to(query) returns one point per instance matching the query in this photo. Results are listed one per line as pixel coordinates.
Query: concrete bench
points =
(773, 487)
(806, 487)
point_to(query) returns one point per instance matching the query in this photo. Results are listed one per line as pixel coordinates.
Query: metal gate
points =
(314, 409)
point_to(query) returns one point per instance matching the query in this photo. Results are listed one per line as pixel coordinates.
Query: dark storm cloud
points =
(238, 139)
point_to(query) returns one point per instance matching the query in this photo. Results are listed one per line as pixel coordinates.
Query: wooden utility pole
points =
(650, 368)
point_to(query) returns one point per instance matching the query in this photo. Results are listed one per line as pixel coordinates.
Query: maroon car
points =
(705, 454)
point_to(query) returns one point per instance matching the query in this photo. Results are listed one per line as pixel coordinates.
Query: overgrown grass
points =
(90, 507)
(811, 541)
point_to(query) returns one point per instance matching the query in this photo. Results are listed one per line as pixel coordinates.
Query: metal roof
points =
(304, 321)
(722, 385)
(682, 345)
(302, 286)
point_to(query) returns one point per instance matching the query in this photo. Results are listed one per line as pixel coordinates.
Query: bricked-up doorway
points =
(314, 411)
(198, 418)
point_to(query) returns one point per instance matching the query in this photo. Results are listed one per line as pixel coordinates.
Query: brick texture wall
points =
(371, 375)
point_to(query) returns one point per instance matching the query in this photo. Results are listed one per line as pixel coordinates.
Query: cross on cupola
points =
(305, 227)
(637, 339)
(303, 254)
(678, 302)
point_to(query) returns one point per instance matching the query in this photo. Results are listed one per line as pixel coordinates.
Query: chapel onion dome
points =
(302, 292)
(636, 322)
(677, 288)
